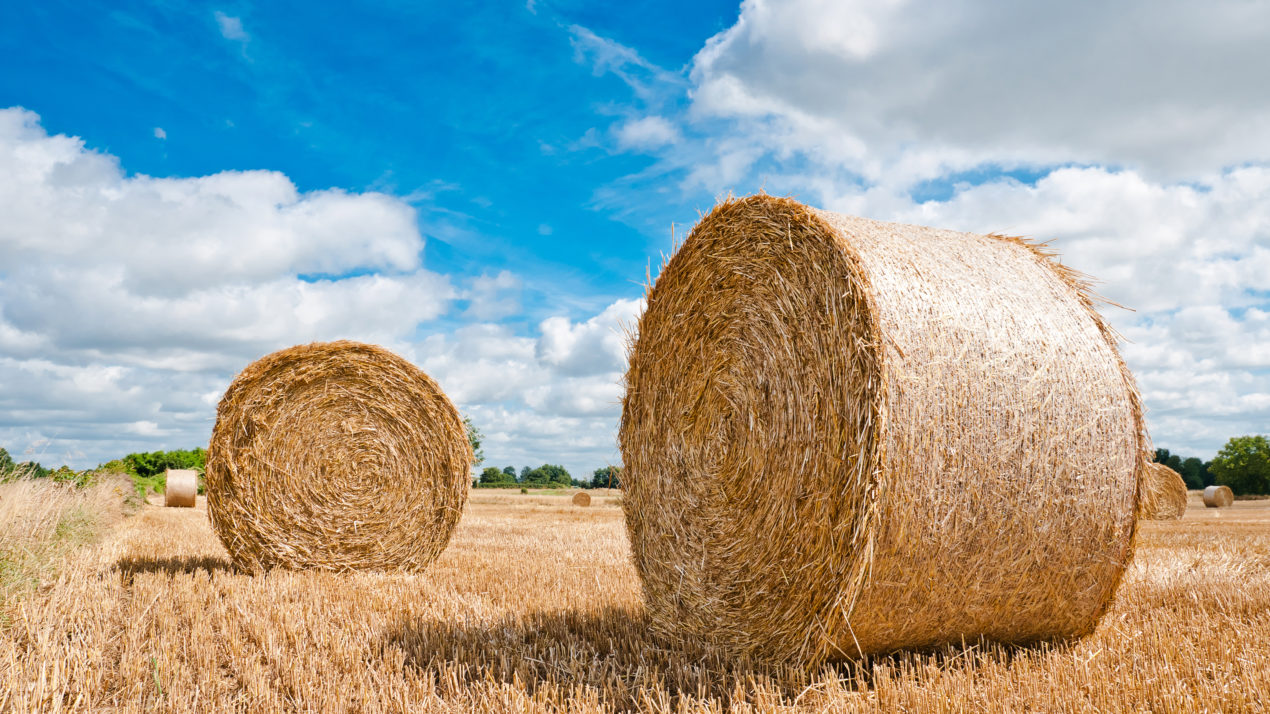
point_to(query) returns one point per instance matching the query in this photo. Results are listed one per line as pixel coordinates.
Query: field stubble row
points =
(535, 606)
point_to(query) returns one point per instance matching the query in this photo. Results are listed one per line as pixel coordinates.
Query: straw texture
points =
(336, 456)
(843, 437)
(1218, 497)
(180, 488)
(581, 498)
(1162, 494)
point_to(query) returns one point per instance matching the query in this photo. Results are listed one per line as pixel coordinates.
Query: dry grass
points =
(535, 607)
(42, 521)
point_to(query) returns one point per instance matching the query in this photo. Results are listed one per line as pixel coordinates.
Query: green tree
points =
(492, 475)
(147, 464)
(511, 472)
(29, 469)
(561, 476)
(534, 477)
(1173, 461)
(1193, 471)
(550, 475)
(524, 473)
(474, 437)
(65, 474)
(6, 463)
(607, 477)
(1243, 464)
(557, 475)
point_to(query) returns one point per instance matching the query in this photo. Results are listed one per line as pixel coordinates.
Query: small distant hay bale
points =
(843, 437)
(1163, 494)
(1218, 497)
(581, 498)
(336, 456)
(180, 488)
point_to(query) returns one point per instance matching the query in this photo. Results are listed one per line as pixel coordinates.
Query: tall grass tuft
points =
(42, 520)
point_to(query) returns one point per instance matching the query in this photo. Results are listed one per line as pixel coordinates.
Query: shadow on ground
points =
(611, 651)
(614, 653)
(128, 567)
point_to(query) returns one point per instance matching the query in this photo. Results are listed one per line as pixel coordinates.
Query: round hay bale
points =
(1218, 497)
(336, 456)
(844, 437)
(180, 488)
(581, 498)
(1162, 496)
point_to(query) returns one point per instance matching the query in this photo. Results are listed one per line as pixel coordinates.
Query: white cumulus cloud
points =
(1127, 134)
(125, 300)
(916, 88)
(551, 398)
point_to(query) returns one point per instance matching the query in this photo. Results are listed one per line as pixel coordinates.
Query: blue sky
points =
(480, 187)
(478, 116)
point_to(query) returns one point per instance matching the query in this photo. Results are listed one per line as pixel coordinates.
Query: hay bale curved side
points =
(1218, 497)
(337, 456)
(1163, 494)
(581, 498)
(180, 488)
(842, 436)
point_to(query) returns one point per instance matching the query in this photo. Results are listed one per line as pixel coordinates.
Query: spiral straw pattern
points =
(336, 456)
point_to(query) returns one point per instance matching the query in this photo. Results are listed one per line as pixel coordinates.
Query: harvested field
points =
(534, 606)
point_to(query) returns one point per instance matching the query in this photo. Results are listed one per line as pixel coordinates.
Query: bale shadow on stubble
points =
(610, 651)
(614, 653)
(130, 566)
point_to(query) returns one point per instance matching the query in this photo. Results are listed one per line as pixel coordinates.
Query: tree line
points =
(146, 468)
(547, 476)
(1243, 464)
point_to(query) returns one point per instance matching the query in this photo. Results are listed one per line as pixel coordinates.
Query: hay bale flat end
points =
(180, 488)
(1218, 497)
(336, 456)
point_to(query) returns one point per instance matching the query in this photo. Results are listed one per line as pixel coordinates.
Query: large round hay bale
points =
(581, 498)
(1162, 495)
(180, 488)
(842, 436)
(1218, 497)
(336, 456)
